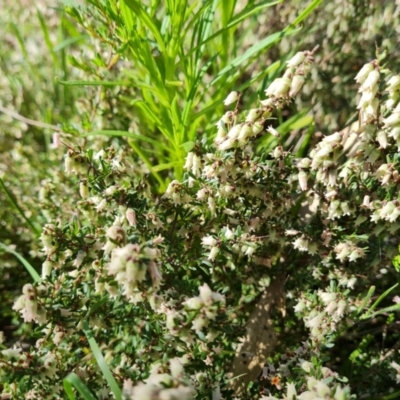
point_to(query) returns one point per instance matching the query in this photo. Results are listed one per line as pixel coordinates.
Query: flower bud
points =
(302, 177)
(296, 60)
(254, 114)
(232, 98)
(363, 73)
(131, 216)
(296, 85)
(393, 83)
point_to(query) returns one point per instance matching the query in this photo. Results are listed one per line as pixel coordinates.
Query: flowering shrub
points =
(164, 297)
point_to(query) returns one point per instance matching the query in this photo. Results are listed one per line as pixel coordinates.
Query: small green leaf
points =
(188, 146)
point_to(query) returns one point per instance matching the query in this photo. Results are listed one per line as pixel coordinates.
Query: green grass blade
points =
(35, 276)
(14, 202)
(115, 389)
(304, 14)
(73, 380)
(193, 90)
(68, 42)
(136, 7)
(149, 164)
(131, 135)
(370, 293)
(396, 307)
(380, 298)
(93, 83)
(246, 13)
(154, 118)
(252, 52)
(46, 37)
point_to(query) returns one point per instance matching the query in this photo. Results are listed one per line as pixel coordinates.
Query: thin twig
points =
(28, 121)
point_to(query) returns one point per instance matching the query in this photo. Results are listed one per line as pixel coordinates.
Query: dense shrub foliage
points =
(190, 254)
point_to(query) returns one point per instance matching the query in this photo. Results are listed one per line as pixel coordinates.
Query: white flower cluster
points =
(161, 386)
(129, 265)
(232, 134)
(322, 322)
(28, 306)
(206, 306)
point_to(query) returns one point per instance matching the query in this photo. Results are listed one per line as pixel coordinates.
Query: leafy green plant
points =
(179, 60)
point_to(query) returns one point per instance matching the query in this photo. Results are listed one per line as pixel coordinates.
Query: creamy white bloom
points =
(233, 97)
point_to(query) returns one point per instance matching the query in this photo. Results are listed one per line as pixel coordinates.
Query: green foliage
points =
(161, 235)
(177, 62)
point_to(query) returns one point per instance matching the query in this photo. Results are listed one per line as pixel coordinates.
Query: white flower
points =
(130, 215)
(254, 114)
(213, 253)
(301, 244)
(393, 83)
(226, 144)
(47, 267)
(302, 176)
(273, 131)
(391, 120)
(235, 131)
(371, 81)
(208, 241)
(296, 85)
(194, 303)
(229, 234)
(279, 87)
(206, 294)
(189, 161)
(296, 60)
(233, 97)
(363, 73)
(200, 322)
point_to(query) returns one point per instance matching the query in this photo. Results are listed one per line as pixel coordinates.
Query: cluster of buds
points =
(193, 163)
(348, 250)
(282, 90)
(27, 305)
(322, 322)
(393, 89)
(293, 79)
(205, 305)
(176, 193)
(161, 385)
(116, 236)
(368, 78)
(388, 211)
(129, 265)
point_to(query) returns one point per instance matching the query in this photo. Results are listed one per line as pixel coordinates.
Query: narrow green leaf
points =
(132, 135)
(162, 167)
(35, 276)
(385, 310)
(149, 164)
(370, 293)
(188, 146)
(92, 83)
(189, 101)
(14, 202)
(115, 389)
(310, 8)
(246, 13)
(135, 6)
(46, 37)
(68, 42)
(73, 380)
(381, 297)
(153, 117)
